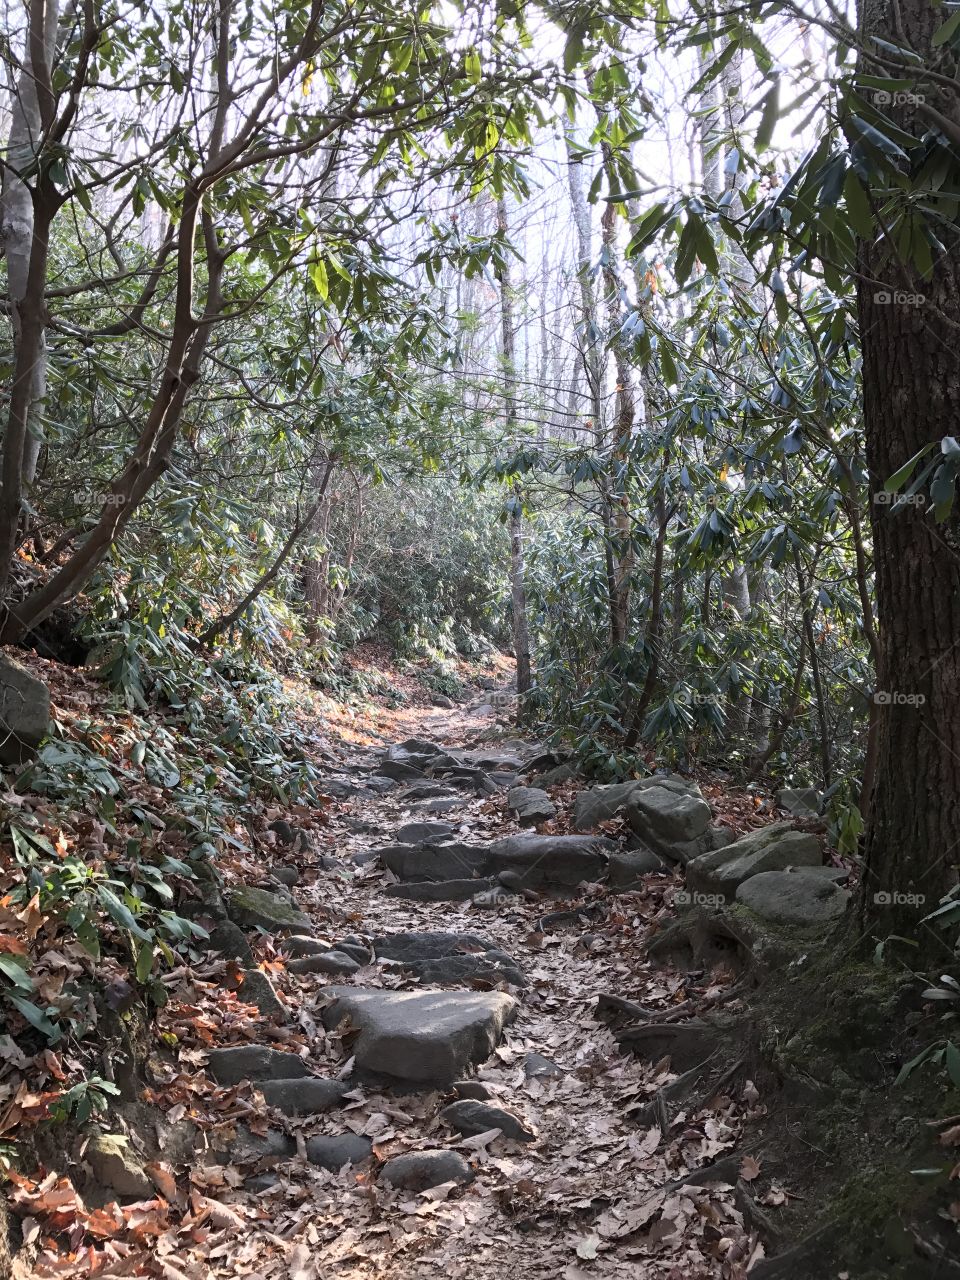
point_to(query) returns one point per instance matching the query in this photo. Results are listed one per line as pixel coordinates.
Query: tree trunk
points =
(518, 590)
(911, 386)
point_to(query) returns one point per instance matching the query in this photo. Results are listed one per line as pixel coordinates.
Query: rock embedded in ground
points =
(793, 898)
(398, 771)
(424, 832)
(772, 848)
(552, 861)
(332, 962)
(288, 876)
(257, 989)
(535, 1064)
(429, 945)
(451, 861)
(421, 1170)
(263, 909)
(24, 712)
(307, 1095)
(115, 1165)
(248, 1146)
(628, 868)
(673, 822)
(379, 784)
(443, 803)
(530, 806)
(358, 951)
(432, 791)
(440, 890)
(254, 1062)
(470, 1118)
(493, 967)
(441, 700)
(332, 1152)
(560, 773)
(427, 1036)
(229, 940)
(304, 944)
(474, 1089)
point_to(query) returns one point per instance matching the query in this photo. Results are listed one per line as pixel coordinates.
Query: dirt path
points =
(593, 1194)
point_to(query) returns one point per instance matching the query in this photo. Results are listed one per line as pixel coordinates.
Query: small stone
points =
(114, 1165)
(306, 1096)
(421, 1170)
(473, 1089)
(629, 868)
(471, 1118)
(284, 831)
(288, 876)
(530, 805)
(355, 950)
(301, 944)
(256, 988)
(441, 700)
(335, 962)
(262, 1181)
(254, 1062)
(535, 1064)
(249, 1146)
(229, 940)
(334, 1152)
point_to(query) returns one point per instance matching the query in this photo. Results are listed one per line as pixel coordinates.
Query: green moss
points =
(259, 908)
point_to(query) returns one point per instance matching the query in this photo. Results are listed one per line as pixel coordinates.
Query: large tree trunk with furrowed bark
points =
(911, 379)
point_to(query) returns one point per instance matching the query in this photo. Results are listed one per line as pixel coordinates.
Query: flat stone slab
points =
(304, 1097)
(424, 832)
(451, 958)
(421, 1035)
(331, 961)
(563, 861)
(530, 805)
(254, 1062)
(772, 848)
(439, 890)
(600, 804)
(451, 861)
(429, 945)
(791, 897)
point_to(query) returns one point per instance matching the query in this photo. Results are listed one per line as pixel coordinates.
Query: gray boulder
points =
(254, 1062)
(600, 804)
(423, 1036)
(530, 806)
(470, 1118)
(424, 832)
(628, 868)
(333, 1152)
(304, 1096)
(451, 861)
(669, 818)
(801, 802)
(475, 1089)
(260, 908)
(560, 861)
(302, 944)
(421, 1170)
(24, 712)
(771, 848)
(229, 940)
(793, 898)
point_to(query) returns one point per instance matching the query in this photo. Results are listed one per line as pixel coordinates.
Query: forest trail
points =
(583, 1189)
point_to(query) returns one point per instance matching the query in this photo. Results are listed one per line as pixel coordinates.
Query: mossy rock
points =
(261, 909)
